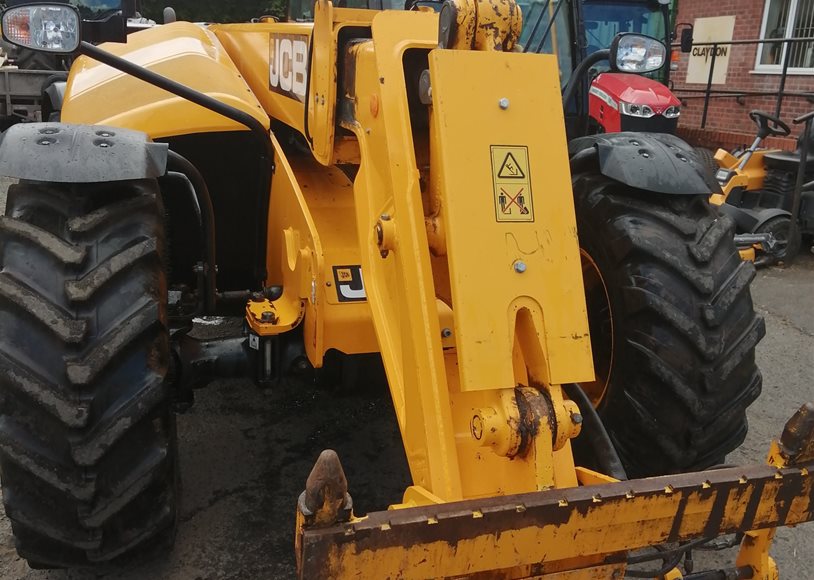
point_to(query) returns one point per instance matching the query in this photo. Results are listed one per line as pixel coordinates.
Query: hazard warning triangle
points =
(510, 169)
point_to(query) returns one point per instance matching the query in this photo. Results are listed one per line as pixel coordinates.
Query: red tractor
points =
(578, 31)
(629, 102)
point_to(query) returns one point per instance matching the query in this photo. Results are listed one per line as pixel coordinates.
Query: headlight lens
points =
(636, 110)
(46, 28)
(637, 53)
(672, 112)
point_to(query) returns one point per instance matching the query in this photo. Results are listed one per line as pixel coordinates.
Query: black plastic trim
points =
(654, 162)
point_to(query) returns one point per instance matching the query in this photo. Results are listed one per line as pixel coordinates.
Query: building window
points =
(787, 19)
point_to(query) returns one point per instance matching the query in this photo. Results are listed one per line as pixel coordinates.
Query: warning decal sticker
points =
(512, 183)
(510, 169)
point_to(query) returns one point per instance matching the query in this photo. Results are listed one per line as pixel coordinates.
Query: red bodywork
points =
(608, 89)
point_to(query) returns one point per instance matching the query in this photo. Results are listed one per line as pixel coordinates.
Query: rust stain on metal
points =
(574, 509)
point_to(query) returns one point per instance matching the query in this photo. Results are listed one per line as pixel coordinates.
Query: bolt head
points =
(576, 418)
(477, 427)
(503, 103)
(446, 333)
(268, 317)
(520, 267)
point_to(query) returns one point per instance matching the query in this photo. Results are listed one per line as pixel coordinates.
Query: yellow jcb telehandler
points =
(393, 182)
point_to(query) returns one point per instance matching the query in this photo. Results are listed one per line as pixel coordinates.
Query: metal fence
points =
(708, 92)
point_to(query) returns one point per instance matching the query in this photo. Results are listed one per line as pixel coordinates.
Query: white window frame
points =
(778, 68)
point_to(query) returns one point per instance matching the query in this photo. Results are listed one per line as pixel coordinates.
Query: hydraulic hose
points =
(181, 164)
(579, 73)
(596, 434)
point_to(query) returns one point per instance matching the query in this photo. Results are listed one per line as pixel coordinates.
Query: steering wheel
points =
(769, 125)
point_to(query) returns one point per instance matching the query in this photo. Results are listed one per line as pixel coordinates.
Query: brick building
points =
(746, 67)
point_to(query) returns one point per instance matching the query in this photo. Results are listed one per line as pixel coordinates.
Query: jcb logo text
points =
(288, 68)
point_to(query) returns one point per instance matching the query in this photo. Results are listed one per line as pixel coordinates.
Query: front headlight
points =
(672, 112)
(636, 110)
(43, 27)
(637, 53)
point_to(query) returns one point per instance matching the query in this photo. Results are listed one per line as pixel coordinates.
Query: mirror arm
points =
(579, 73)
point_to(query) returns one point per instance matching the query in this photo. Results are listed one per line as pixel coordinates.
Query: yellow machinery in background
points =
(758, 193)
(376, 185)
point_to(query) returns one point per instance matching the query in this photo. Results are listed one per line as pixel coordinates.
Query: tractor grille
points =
(655, 124)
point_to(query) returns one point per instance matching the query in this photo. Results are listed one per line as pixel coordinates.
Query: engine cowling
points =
(628, 102)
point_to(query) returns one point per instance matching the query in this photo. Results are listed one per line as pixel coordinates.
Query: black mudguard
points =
(654, 162)
(62, 153)
(748, 221)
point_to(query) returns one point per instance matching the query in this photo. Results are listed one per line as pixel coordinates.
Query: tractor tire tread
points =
(684, 324)
(66, 407)
(84, 289)
(710, 240)
(83, 371)
(87, 431)
(61, 250)
(24, 450)
(38, 307)
(729, 293)
(89, 223)
(116, 423)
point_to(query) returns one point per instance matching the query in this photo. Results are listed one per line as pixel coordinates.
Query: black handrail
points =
(708, 92)
(255, 127)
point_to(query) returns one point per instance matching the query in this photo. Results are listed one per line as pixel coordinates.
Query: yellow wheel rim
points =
(600, 319)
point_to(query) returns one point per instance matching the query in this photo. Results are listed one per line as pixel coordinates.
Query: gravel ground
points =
(245, 455)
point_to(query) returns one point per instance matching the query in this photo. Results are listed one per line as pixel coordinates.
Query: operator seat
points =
(790, 160)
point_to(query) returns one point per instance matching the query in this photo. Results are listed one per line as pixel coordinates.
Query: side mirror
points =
(686, 39)
(637, 53)
(54, 28)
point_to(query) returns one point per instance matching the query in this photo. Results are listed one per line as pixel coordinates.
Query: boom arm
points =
(470, 209)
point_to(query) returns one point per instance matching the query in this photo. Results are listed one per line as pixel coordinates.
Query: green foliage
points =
(214, 10)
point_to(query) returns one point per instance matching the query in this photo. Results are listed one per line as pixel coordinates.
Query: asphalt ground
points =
(245, 455)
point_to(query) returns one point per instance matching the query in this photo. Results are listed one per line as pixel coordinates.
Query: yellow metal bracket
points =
(267, 318)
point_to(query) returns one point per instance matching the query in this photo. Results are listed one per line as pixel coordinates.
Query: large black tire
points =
(87, 437)
(707, 159)
(672, 322)
(33, 60)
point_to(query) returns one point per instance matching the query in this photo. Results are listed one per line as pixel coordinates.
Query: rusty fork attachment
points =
(594, 526)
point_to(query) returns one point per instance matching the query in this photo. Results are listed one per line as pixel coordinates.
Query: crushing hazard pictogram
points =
(510, 169)
(507, 200)
(512, 183)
